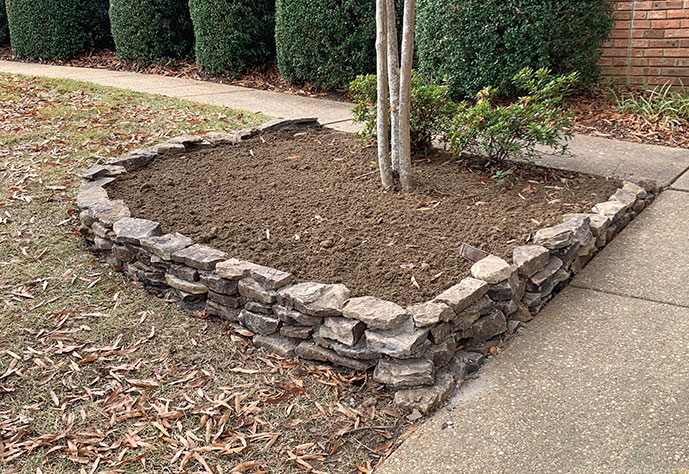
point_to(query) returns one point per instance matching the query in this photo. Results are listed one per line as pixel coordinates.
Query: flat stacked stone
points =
(199, 256)
(375, 312)
(403, 342)
(314, 299)
(405, 373)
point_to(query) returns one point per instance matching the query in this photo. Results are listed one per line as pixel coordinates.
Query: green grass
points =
(61, 412)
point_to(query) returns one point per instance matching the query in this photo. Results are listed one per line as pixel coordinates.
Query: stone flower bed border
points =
(411, 348)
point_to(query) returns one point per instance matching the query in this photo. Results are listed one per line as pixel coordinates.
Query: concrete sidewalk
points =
(589, 154)
(599, 380)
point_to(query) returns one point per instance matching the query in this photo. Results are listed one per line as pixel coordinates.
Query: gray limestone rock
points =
(194, 288)
(598, 223)
(219, 284)
(535, 282)
(491, 269)
(165, 245)
(252, 289)
(279, 345)
(225, 300)
(439, 332)
(522, 315)
(110, 213)
(639, 191)
(343, 330)
(184, 272)
(199, 256)
(135, 159)
(466, 318)
(530, 259)
(296, 332)
(464, 294)
(223, 312)
(259, 323)
(441, 353)
(131, 230)
(315, 299)
(359, 351)
(103, 171)
(291, 316)
(626, 197)
(310, 351)
(269, 278)
(257, 307)
(375, 312)
(100, 243)
(613, 210)
(486, 327)
(426, 399)
(430, 313)
(404, 374)
(403, 342)
(189, 141)
(123, 254)
(165, 148)
(507, 289)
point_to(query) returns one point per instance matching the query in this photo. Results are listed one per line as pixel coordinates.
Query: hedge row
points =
(325, 43)
(52, 29)
(233, 34)
(480, 43)
(4, 30)
(151, 30)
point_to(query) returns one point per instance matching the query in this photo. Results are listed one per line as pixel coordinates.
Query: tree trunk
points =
(394, 80)
(405, 92)
(383, 112)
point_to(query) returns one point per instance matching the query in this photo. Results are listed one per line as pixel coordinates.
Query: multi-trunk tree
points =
(394, 71)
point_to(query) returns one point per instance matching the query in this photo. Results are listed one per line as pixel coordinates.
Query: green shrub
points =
(482, 43)
(57, 29)
(151, 30)
(514, 130)
(233, 34)
(4, 30)
(661, 104)
(325, 43)
(431, 110)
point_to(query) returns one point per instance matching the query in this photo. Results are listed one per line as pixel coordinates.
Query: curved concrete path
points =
(599, 382)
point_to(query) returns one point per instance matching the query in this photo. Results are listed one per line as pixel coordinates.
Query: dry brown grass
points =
(96, 375)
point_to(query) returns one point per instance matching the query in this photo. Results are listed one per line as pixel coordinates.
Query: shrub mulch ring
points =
(311, 203)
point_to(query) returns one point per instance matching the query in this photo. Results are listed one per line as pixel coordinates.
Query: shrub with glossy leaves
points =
(4, 30)
(325, 43)
(233, 34)
(57, 29)
(484, 43)
(151, 30)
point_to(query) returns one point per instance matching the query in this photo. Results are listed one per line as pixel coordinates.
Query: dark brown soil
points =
(311, 203)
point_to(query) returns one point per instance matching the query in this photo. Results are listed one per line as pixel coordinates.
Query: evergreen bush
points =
(325, 43)
(482, 43)
(57, 29)
(233, 34)
(151, 30)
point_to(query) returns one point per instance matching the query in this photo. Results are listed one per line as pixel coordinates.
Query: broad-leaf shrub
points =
(501, 131)
(4, 30)
(233, 34)
(484, 43)
(325, 43)
(431, 109)
(151, 30)
(57, 29)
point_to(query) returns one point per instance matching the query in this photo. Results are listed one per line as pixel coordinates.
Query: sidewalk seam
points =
(607, 292)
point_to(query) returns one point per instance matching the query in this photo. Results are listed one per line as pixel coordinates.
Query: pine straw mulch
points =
(96, 375)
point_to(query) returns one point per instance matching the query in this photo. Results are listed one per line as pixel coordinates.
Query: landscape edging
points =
(414, 350)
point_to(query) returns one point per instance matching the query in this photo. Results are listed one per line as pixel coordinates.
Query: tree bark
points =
(383, 112)
(394, 80)
(405, 92)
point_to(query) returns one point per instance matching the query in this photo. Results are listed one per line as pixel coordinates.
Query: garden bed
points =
(291, 193)
(311, 203)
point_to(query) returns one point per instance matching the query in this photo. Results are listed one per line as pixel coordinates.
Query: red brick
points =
(643, 6)
(677, 52)
(664, 24)
(663, 62)
(676, 72)
(677, 13)
(664, 43)
(679, 33)
(657, 15)
(654, 52)
(648, 34)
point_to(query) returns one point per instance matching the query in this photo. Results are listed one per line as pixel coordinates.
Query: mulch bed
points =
(311, 203)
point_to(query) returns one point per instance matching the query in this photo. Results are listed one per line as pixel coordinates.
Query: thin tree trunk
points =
(405, 92)
(394, 80)
(383, 113)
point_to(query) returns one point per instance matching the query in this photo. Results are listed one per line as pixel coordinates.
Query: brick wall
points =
(649, 44)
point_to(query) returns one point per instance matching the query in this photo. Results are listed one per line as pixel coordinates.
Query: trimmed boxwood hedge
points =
(325, 43)
(480, 43)
(151, 30)
(57, 29)
(233, 34)
(4, 29)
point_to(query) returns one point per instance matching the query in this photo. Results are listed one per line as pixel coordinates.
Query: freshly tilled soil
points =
(311, 203)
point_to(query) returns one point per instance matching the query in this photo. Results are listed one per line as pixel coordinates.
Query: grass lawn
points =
(96, 375)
